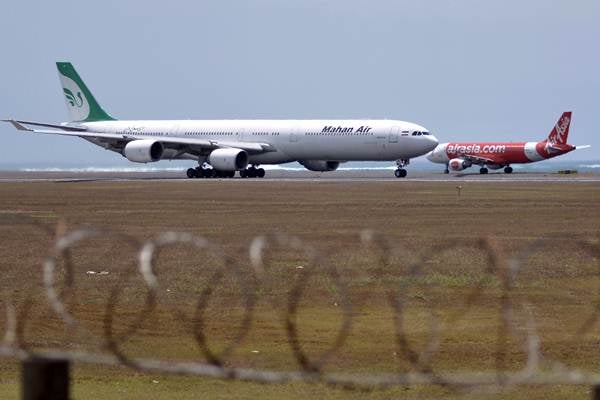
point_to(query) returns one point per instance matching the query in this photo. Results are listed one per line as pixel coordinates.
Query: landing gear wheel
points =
(446, 171)
(191, 173)
(483, 171)
(252, 172)
(508, 170)
(400, 173)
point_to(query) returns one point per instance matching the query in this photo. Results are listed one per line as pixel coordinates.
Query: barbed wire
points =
(516, 321)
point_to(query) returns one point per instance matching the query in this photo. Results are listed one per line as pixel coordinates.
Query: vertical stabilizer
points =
(81, 104)
(560, 132)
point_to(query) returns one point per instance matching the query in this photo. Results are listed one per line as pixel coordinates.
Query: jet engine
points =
(143, 151)
(458, 164)
(320, 165)
(229, 159)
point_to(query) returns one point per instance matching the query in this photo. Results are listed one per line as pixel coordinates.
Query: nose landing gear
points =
(400, 172)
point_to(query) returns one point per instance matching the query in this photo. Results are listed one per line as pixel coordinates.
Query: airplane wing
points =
(19, 125)
(478, 160)
(118, 141)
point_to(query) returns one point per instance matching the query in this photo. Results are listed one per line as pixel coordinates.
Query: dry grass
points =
(560, 283)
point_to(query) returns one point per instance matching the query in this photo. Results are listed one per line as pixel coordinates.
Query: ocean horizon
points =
(587, 166)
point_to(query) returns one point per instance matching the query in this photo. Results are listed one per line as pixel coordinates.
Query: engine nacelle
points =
(458, 164)
(320, 165)
(229, 159)
(143, 151)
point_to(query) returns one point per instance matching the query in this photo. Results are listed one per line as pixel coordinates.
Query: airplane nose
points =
(432, 142)
(429, 156)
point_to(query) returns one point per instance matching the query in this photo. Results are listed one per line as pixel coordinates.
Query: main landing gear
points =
(201, 172)
(400, 172)
(252, 172)
(191, 173)
(507, 170)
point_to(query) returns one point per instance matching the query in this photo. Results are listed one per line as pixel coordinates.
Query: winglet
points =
(17, 125)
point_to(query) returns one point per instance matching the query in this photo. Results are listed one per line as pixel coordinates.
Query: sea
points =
(548, 166)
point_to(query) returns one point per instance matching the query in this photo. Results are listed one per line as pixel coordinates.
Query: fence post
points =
(45, 379)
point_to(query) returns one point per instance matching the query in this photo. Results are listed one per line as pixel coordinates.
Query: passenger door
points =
(393, 135)
(294, 135)
(241, 134)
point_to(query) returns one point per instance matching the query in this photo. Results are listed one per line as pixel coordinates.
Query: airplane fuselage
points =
(291, 140)
(502, 153)
(495, 155)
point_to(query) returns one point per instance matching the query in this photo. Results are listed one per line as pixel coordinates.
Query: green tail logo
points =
(72, 99)
(81, 104)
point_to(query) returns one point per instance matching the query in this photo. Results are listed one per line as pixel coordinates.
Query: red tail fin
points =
(560, 132)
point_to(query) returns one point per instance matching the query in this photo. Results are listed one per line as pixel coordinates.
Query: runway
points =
(300, 176)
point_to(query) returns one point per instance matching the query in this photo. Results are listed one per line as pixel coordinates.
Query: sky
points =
(465, 69)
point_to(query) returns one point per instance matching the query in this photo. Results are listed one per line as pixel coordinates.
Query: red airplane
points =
(496, 155)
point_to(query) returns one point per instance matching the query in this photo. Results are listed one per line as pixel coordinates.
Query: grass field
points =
(561, 283)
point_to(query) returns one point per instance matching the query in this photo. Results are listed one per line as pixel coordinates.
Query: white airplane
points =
(222, 147)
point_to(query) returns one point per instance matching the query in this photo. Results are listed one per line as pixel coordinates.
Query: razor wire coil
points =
(537, 368)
